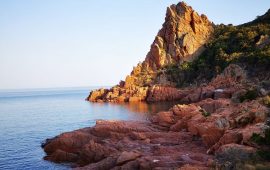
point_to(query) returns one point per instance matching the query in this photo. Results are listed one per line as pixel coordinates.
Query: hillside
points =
(219, 75)
(181, 38)
(190, 50)
(246, 45)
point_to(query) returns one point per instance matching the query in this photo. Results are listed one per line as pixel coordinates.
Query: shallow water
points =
(28, 117)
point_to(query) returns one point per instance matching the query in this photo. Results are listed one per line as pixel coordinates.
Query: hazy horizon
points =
(65, 43)
(55, 88)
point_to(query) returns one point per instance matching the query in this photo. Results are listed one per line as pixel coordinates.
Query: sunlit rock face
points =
(185, 135)
(127, 145)
(181, 38)
(213, 125)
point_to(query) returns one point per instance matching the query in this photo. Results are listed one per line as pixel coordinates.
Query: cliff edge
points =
(181, 39)
(222, 120)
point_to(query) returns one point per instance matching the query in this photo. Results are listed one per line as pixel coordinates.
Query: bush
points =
(264, 141)
(229, 44)
(182, 74)
(205, 113)
(265, 155)
(234, 158)
(250, 95)
(266, 101)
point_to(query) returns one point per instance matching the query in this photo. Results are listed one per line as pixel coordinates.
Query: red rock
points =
(138, 136)
(122, 99)
(232, 75)
(62, 156)
(127, 156)
(164, 118)
(212, 137)
(212, 106)
(112, 145)
(192, 167)
(179, 126)
(97, 94)
(168, 138)
(130, 81)
(222, 93)
(212, 117)
(228, 138)
(134, 99)
(249, 130)
(181, 38)
(186, 110)
(238, 148)
(199, 94)
(107, 163)
(163, 93)
(94, 152)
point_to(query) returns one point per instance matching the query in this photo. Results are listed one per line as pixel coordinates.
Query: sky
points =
(74, 43)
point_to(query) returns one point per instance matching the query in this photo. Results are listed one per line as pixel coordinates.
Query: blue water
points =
(28, 117)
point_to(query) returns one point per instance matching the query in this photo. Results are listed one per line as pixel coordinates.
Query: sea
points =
(29, 116)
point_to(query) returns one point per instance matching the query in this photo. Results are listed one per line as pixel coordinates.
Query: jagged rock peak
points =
(181, 37)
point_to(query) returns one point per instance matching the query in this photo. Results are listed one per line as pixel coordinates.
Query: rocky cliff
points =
(220, 127)
(181, 38)
(223, 116)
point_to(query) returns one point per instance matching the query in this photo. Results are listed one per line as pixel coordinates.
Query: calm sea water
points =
(28, 117)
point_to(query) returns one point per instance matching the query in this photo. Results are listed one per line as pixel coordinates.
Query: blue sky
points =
(71, 43)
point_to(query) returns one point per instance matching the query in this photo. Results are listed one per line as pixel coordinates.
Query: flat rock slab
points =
(129, 145)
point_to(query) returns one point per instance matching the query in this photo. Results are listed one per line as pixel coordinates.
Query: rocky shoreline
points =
(187, 136)
(221, 123)
(181, 39)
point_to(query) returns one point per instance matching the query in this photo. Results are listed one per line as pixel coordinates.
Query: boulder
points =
(97, 94)
(126, 157)
(211, 106)
(164, 93)
(164, 119)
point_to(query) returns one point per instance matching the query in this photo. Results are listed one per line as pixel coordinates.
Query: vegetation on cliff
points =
(181, 38)
(226, 112)
(247, 45)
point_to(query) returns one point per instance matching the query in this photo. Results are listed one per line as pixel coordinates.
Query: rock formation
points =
(181, 38)
(185, 137)
(221, 124)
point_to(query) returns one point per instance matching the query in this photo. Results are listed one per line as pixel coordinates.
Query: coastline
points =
(219, 74)
(187, 135)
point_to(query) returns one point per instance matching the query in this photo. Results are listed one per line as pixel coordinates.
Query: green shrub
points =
(264, 141)
(229, 44)
(264, 154)
(257, 138)
(234, 158)
(205, 113)
(266, 101)
(250, 95)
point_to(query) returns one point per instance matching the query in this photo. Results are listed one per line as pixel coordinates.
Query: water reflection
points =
(143, 108)
(29, 117)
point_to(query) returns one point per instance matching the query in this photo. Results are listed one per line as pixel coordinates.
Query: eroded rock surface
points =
(181, 38)
(127, 145)
(186, 136)
(213, 120)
